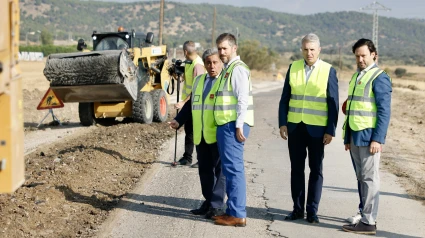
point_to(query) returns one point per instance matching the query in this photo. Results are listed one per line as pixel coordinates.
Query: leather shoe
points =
(313, 219)
(214, 212)
(224, 216)
(360, 228)
(195, 165)
(201, 210)
(294, 216)
(231, 221)
(184, 161)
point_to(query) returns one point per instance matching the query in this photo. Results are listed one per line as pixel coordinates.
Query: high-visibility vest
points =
(226, 104)
(308, 100)
(188, 77)
(361, 105)
(203, 111)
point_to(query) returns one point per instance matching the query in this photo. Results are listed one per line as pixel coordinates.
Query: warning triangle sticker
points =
(50, 100)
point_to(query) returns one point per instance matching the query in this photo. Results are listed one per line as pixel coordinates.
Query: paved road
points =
(159, 207)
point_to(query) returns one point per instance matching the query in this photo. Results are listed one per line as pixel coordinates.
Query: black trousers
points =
(213, 182)
(299, 142)
(188, 140)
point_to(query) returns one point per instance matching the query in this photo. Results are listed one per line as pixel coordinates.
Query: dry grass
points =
(32, 75)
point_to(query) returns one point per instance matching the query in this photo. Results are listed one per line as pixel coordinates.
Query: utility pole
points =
(161, 21)
(213, 28)
(340, 62)
(375, 7)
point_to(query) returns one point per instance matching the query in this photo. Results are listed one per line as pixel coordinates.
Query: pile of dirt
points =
(404, 152)
(72, 185)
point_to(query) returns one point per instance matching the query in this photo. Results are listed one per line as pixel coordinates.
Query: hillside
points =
(280, 31)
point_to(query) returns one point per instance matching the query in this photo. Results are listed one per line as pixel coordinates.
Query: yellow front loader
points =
(124, 76)
(11, 104)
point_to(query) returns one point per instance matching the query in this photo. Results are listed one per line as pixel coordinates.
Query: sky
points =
(399, 8)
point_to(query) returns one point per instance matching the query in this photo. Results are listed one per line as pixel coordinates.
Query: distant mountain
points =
(279, 31)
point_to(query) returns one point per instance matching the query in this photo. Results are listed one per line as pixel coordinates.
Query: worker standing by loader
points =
(199, 109)
(190, 72)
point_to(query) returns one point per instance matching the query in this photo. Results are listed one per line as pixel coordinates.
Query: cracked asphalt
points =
(159, 206)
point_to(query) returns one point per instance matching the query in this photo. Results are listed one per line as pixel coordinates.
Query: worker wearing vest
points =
(190, 72)
(366, 123)
(308, 115)
(234, 115)
(200, 109)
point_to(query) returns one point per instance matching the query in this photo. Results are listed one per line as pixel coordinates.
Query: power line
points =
(375, 7)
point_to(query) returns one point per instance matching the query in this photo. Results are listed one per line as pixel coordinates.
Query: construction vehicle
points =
(124, 76)
(12, 170)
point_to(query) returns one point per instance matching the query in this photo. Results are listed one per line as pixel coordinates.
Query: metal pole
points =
(375, 7)
(161, 21)
(177, 111)
(213, 28)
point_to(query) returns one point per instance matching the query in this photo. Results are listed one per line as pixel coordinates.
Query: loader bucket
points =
(94, 76)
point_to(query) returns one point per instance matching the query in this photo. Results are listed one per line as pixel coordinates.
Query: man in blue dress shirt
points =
(367, 118)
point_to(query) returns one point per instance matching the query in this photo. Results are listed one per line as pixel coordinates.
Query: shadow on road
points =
(52, 125)
(351, 190)
(109, 152)
(180, 207)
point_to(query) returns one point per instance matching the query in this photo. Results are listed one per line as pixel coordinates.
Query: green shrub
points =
(257, 57)
(400, 72)
(296, 56)
(48, 49)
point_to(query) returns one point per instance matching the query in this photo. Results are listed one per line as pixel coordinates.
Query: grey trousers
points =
(367, 172)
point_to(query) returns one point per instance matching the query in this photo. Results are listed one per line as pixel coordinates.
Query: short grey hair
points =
(311, 37)
(209, 52)
(190, 47)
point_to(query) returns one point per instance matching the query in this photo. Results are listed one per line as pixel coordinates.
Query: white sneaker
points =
(355, 219)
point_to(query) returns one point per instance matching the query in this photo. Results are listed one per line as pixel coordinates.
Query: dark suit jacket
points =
(185, 113)
(382, 89)
(333, 107)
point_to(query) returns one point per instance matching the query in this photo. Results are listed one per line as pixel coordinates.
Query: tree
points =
(256, 56)
(46, 38)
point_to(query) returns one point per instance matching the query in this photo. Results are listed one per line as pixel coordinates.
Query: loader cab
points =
(116, 40)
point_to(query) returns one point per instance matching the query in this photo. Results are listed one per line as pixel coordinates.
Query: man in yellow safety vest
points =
(234, 116)
(199, 109)
(190, 72)
(308, 115)
(367, 118)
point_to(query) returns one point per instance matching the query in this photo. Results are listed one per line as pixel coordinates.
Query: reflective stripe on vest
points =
(203, 111)
(361, 106)
(188, 77)
(308, 101)
(225, 107)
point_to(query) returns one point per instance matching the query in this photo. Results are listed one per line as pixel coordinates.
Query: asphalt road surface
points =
(159, 206)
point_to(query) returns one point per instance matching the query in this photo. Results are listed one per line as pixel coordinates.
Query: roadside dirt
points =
(72, 185)
(74, 175)
(404, 152)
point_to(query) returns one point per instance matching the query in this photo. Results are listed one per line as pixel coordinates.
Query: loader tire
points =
(86, 113)
(143, 108)
(160, 105)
